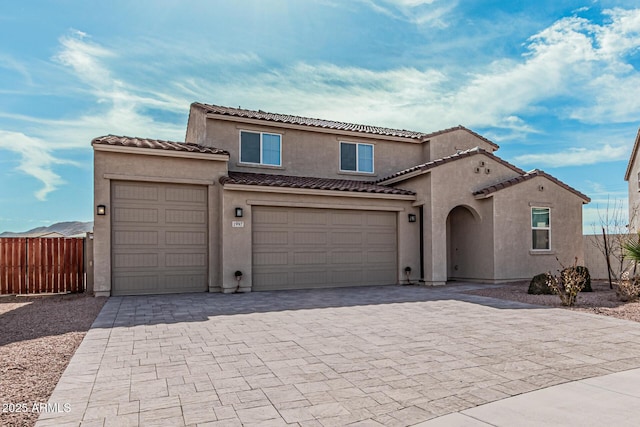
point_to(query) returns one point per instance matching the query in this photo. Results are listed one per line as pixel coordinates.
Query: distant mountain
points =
(71, 228)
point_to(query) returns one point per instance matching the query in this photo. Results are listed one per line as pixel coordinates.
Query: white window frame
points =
(261, 152)
(548, 228)
(357, 144)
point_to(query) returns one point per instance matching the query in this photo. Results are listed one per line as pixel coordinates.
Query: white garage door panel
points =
(297, 248)
(159, 238)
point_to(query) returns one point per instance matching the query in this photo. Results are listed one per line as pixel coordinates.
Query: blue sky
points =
(555, 84)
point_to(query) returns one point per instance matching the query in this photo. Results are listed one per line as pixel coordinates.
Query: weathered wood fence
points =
(41, 265)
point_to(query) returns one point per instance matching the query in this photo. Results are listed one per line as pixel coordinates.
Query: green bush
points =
(539, 286)
(582, 273)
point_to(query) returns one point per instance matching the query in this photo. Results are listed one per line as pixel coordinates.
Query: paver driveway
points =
(375, 355)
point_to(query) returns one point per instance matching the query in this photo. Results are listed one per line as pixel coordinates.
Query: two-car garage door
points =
(297, 248)
(158, 238)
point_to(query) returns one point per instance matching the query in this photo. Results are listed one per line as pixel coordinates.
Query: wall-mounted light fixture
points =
(101, 210)
(412, 217)
(239, 212)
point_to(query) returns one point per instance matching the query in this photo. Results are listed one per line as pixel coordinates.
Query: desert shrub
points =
(628, 289)
(568, 284)
(581, 272)
(538, 285)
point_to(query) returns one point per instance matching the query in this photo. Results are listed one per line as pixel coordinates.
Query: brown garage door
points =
(158, 238)
(297, 248)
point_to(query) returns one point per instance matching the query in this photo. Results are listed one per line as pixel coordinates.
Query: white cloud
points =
(576, 156)
(10, 63)
(119, 107)
(432, 13)
(35, 160)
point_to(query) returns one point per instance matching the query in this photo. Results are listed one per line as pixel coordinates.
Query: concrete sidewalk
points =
(609, 400)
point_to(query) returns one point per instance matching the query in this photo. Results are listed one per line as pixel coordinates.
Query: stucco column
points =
(435, 247)
(102, 238)
(236, 243)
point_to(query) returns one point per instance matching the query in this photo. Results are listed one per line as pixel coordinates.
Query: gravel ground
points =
(38, 336)
(601, 301)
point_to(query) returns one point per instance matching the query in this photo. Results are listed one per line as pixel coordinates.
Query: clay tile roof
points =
(459, 155)
(287, 181)
(306, 121)
(155, 144)
(525, 177)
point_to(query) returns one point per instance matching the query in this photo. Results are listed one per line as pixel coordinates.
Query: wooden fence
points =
(41, 265)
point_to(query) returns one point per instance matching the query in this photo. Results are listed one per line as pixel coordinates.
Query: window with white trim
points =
(356, 157)
(541, 229)
(260, 148)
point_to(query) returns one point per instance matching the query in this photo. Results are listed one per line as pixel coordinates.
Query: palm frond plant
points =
(632, 249)
(628, 288)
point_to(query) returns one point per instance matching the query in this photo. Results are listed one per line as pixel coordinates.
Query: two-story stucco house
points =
(291, 202)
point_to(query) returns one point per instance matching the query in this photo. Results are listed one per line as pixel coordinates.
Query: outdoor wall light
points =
(239, 212)
(412, 217)
(101, 210)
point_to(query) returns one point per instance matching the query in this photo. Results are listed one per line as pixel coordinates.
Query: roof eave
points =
(490, 191)
(159, 152)
(427, 167)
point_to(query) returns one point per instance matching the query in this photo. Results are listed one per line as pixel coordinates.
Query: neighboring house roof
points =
(328, 124)
(415, 170)
(634, 152)
(155, 144)
(311, 183)
(526, 177)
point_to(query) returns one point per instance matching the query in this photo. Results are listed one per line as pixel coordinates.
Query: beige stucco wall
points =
(237, 241)
(196, 126)
(514, 258)
(139, 167)
(311, 153)
(449, 143)
(595, 260)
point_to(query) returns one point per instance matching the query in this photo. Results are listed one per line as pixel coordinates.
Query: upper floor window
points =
(260, 148)
(541, 228)
(356, 157)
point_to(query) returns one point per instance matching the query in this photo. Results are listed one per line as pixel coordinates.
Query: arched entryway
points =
(464, 244)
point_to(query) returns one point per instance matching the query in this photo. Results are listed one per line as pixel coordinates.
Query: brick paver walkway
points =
(375, 355)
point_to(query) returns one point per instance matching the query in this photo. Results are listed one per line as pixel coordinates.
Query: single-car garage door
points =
(298, 248)
(158, 238)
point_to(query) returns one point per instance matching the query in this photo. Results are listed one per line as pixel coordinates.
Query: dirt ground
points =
(38, 336)
(601, 301)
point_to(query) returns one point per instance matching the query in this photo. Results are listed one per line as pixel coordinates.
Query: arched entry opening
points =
(464, 244)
